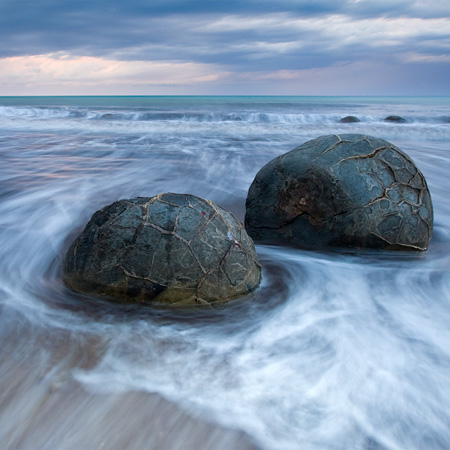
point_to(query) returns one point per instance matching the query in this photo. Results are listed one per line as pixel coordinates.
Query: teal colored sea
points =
(335, 350)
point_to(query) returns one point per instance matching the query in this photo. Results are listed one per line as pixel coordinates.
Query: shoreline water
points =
(335, 350)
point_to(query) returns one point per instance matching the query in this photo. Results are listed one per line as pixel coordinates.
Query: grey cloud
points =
(190, 30)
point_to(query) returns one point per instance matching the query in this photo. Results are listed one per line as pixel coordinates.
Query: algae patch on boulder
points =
(174, 249)
(341, 190)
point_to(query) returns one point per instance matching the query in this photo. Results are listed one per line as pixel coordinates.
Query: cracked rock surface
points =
(174, 249)
(345, 190)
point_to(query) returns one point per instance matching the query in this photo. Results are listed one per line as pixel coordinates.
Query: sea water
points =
(335, 350)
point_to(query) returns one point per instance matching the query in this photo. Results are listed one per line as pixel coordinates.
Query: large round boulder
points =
(348, 190)
(174, 249)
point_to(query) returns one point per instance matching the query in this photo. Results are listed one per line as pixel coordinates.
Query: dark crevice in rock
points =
(203, 227)
(166, 202)
(411, 168)
(389, 169)
(197, 260)
(170, 233)
(366, 140)
(373, 201)
(381, 237)
(215, 268)
(399, 180)
(136, 234)
(369, 155)
(175, 226)
(136, 277)
(340, 141)
(395, 245)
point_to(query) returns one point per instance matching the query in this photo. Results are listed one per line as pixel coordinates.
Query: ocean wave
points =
(137, 115)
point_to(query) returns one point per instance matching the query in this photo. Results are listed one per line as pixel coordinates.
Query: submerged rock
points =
(348, 190)
(396, 119)
(174, 249)
(349, 119)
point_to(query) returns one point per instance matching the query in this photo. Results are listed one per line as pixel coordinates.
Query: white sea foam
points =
(335, 350)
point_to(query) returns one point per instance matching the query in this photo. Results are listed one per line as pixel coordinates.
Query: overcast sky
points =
(254, 47)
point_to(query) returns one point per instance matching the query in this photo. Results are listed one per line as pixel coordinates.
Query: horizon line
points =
(222, 95)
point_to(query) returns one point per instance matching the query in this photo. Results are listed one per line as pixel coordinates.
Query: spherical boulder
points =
(395, 119)
(349, 190)
(349, 119)
(173, 249)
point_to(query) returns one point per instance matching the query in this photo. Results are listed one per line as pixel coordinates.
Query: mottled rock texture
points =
(175, 249)
(349, 190)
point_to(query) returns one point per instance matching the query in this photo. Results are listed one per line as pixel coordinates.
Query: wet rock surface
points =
(341, 190)
(395, 119)
(349, 119)
(174, 249)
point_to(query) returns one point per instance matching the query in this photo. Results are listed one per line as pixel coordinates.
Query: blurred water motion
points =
(336, 350)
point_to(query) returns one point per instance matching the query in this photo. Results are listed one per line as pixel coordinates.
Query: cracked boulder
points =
(347, 191)
(174, 249)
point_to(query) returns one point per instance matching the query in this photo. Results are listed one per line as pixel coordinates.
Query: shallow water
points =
(336, 350)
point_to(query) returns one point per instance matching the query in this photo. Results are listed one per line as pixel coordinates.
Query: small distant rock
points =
(347, 190)
(396, 119)
(172, 249)
(349, 119)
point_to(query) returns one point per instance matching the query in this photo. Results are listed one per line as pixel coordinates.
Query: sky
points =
(225, 47)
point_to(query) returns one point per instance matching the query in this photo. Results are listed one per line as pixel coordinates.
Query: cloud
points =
(365, 77)
(339, 29)
(78, 75)
(62, 74)
(171, 29)
(288, 42)
(140, 40)
(283, 41)
(412, 57)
